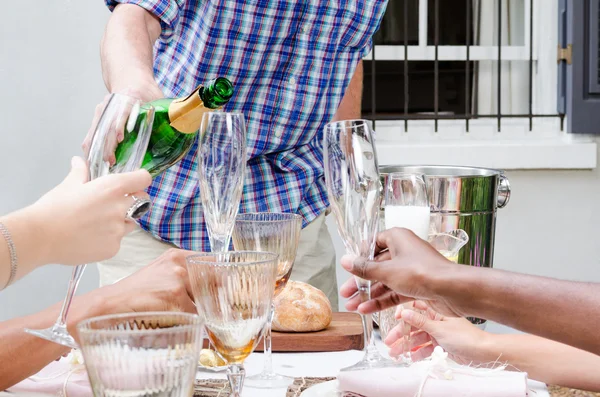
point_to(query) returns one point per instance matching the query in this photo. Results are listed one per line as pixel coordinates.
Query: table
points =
(312, 365)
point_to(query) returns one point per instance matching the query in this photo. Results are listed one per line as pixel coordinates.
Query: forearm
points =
(350, 107)
(28, 354)
(127, 50)
(545, 360)
(30, 244)
(564, 311)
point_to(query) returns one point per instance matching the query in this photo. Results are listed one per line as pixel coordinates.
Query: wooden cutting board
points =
(344, 333)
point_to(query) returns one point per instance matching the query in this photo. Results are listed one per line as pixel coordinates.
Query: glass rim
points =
(246, 217)
(83, 327)
(402, 174)
(222, 112)
(143, 105)
(269, 257)
(357, 121)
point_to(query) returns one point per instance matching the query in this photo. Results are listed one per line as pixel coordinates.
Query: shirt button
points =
(292, 81)
(278, 133)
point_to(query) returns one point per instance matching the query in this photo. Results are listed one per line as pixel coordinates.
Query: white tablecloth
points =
(313, 365)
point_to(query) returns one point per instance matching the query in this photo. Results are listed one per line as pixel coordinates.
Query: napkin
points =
(66, 377)
(438, 377)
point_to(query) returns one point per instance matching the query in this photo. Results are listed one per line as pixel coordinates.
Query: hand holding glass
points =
(122, 115)
(354, 191)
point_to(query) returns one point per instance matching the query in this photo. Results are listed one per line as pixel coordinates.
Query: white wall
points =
(50, 82)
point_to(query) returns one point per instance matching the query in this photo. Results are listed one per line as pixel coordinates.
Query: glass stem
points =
(236, 374)
(364, 291)
(268, 366)
(61, 322)
(219, 243)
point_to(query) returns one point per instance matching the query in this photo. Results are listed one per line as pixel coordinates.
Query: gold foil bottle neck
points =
(186, 113)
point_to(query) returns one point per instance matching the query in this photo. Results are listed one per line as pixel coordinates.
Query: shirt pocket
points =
(360, 21)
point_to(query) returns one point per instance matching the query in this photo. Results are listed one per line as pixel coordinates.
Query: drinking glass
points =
(141, 354)
(133, 119)
(278, 233)
(221, 167)
(406, 206)
(233, 292)
(449, 243)
(354, 190)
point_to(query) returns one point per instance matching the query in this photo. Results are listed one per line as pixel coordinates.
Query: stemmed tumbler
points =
(278, 233)
(142, 354)
(354, 191)
(133, 119)
(233, 292)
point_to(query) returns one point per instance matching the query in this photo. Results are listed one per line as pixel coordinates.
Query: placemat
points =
(556, 391)
(301, 384)
(220, 388)
(211, 388)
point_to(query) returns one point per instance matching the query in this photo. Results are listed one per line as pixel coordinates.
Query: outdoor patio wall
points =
(51, 81)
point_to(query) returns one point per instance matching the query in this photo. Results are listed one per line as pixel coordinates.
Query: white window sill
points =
(558, 153)
(515, 147)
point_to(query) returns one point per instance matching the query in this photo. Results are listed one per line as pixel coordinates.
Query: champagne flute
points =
(142, 354)
(221, 167)
(278, 233)
(122, 115)
(233, 292)
(354, 191)
(406, 206)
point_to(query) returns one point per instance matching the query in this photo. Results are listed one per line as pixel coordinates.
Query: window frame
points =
(514, 146)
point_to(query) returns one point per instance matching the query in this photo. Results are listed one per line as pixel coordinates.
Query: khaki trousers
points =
(315, 262)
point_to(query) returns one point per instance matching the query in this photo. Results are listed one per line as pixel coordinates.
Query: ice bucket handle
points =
(503, 192)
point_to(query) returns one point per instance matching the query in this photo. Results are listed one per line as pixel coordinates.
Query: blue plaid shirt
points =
(290, 62)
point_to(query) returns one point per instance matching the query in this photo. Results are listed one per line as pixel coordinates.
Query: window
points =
(471, 66)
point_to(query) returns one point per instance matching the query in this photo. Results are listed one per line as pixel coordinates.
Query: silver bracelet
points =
(13, 254)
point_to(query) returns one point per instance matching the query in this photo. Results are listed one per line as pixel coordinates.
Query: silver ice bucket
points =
(463, 198)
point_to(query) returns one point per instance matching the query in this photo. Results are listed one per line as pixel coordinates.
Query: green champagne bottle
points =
(176, 124)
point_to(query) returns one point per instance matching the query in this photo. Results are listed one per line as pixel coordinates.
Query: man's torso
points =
(290, 62)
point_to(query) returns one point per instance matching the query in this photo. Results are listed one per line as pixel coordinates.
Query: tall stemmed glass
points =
(354, 190)
(406, 206)
(221, 168)
(278, 233)
(133, 119)
(233, 292)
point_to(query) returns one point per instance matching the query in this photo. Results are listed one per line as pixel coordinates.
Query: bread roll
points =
(301, 308)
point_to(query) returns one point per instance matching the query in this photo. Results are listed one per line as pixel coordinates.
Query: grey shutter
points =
(579, 81)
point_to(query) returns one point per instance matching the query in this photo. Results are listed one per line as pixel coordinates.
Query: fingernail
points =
(407, 315)
(346, 262)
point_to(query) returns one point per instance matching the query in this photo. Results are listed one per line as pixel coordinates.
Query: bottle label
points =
(186, 113)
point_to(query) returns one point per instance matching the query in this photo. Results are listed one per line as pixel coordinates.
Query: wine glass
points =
(354, 191)
(221, 167)
(278, 233)
(233, 292)
(406, 206)
(122, 115)
(141, 354)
